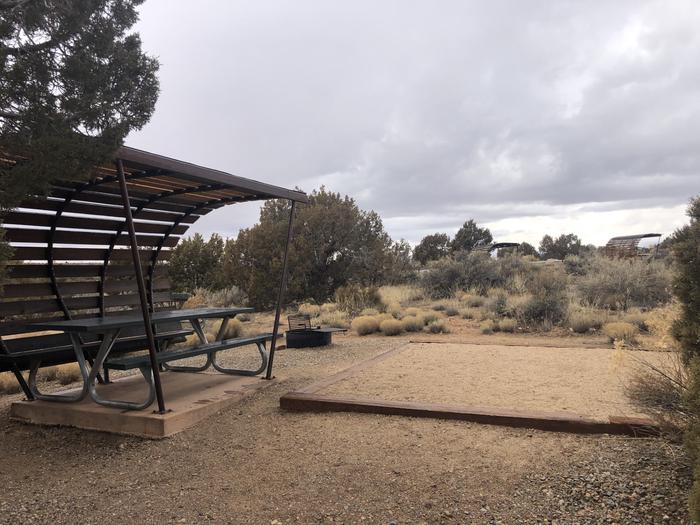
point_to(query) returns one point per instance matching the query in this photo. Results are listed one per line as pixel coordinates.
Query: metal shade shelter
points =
(628, 245)
(92, 248)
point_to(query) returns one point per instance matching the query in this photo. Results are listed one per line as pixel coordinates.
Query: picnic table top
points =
(106, 324)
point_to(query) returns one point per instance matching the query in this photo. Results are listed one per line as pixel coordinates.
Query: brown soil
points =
(588, 381)
(254, 463)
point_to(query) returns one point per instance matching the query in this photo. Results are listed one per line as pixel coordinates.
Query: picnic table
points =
(110, 327)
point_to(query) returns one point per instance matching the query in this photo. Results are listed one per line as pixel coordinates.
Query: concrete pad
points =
(189, 398)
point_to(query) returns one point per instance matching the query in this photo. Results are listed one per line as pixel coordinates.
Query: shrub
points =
(487, 326)
(231, 296)
(429, 317)
(469, 313)
(244, 318)
(312, 310)
(391, 327)
(439, 307)
(624, 283)
(473, 301)
(353, 298)
(507, 325)
(451, 311)
(335, 319)
(365, 325)
(400, 294)
(414, 312)
(637, 318)
(8, 383)
(621, 331)
(394, 309)
(583, 321)
(369, 311)
(329, 308)
(234, 328)
(68, 373)
(548, 303)
(437, 327)
(411, 323)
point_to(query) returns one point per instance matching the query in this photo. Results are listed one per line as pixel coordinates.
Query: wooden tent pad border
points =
(309, 399)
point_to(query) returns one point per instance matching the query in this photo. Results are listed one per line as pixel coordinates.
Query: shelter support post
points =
(155, 370)
(280, 295)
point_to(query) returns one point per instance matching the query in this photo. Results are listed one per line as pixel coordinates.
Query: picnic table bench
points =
(109, 328)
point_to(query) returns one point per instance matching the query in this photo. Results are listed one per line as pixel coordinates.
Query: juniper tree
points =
(73, 83)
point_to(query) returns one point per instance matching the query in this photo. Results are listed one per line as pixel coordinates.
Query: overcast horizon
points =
(531, 118)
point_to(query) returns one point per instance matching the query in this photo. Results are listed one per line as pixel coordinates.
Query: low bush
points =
(411, 312)
(411, 323)
(637, 318)
(451, 311)
(437, 327)
(621, 331)
(223, 298)
(394, 309)
(365, 325)
(429, 317)
(312, 310)
(353, 298)
(391, 327)
(68, 373)
(507, 325)
(487, 326)
(473, 301)
(548, 302)
(234, 328)
(329, 308)
(401, 294)
(369, 311)
(335, 319)
(583, 321)
(439, 307)
(8, 383)
(469, 313)
(624, 283)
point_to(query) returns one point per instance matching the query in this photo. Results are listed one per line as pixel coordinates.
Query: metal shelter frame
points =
(73, 248)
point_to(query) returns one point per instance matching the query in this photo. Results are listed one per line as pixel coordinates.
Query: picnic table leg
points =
(264, 356)
(105, 348)
(199, 330)
(62, 398)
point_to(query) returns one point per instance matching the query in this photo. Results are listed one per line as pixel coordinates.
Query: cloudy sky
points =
(530, 117)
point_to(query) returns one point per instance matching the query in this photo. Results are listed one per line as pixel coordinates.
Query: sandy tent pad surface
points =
(587, 381)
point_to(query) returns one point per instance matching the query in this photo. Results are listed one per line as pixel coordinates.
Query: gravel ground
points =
(256, 464)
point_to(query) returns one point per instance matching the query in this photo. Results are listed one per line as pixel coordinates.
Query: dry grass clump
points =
(68, 373)
(439, 307)
(451, 311)
(583, 321)
(401, 294)
(8, 383)
(507, 325)
(437, 327)
(470, 313)
(638, 318)
(662, 392)
(412, 323)
(472, 301)
(429, 317)
(659, 323)
(197, 300)
(369, 312)
(394, 309)
(411, 312)
(391, 327)
(329, 308)
(312, 310)
(335, 319)
(365, 324)
(487, 326)
(231, 296)
(621, 331)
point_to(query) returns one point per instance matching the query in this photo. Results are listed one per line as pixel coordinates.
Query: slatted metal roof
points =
(627, 245)
(72, 250)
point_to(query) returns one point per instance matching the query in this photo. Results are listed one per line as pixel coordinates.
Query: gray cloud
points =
(431, 113)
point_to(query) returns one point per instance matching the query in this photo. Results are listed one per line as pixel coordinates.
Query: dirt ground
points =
(254, 463)
(588, 381)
